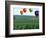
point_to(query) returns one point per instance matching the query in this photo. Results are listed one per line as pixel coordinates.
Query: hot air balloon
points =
(21, 12)
(24, 10)
(36, 13)
(30, 10)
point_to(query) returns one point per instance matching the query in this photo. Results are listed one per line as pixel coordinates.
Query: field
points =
(25, 22)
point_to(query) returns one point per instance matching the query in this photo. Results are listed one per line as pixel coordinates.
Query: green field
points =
(25, 22)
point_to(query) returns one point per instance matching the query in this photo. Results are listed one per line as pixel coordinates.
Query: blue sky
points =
(16, 11)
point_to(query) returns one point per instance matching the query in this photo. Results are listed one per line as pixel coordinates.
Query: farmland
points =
(25, 22)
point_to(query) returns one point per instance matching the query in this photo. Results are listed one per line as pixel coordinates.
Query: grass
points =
(26, 22)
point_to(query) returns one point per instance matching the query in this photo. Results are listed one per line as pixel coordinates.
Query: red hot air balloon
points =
(24, 10)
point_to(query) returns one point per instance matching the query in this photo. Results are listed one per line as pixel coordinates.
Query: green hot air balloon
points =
(30, 9)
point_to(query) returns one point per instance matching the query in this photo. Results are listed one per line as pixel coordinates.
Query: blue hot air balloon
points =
(36, 13)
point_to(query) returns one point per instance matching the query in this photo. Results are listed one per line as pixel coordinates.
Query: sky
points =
(16, 11)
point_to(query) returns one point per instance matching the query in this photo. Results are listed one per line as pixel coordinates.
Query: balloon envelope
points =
(37, 13)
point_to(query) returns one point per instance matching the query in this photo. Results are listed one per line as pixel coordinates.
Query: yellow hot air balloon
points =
(21, 12)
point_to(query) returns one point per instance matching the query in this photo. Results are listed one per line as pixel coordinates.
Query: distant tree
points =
(14, 17)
